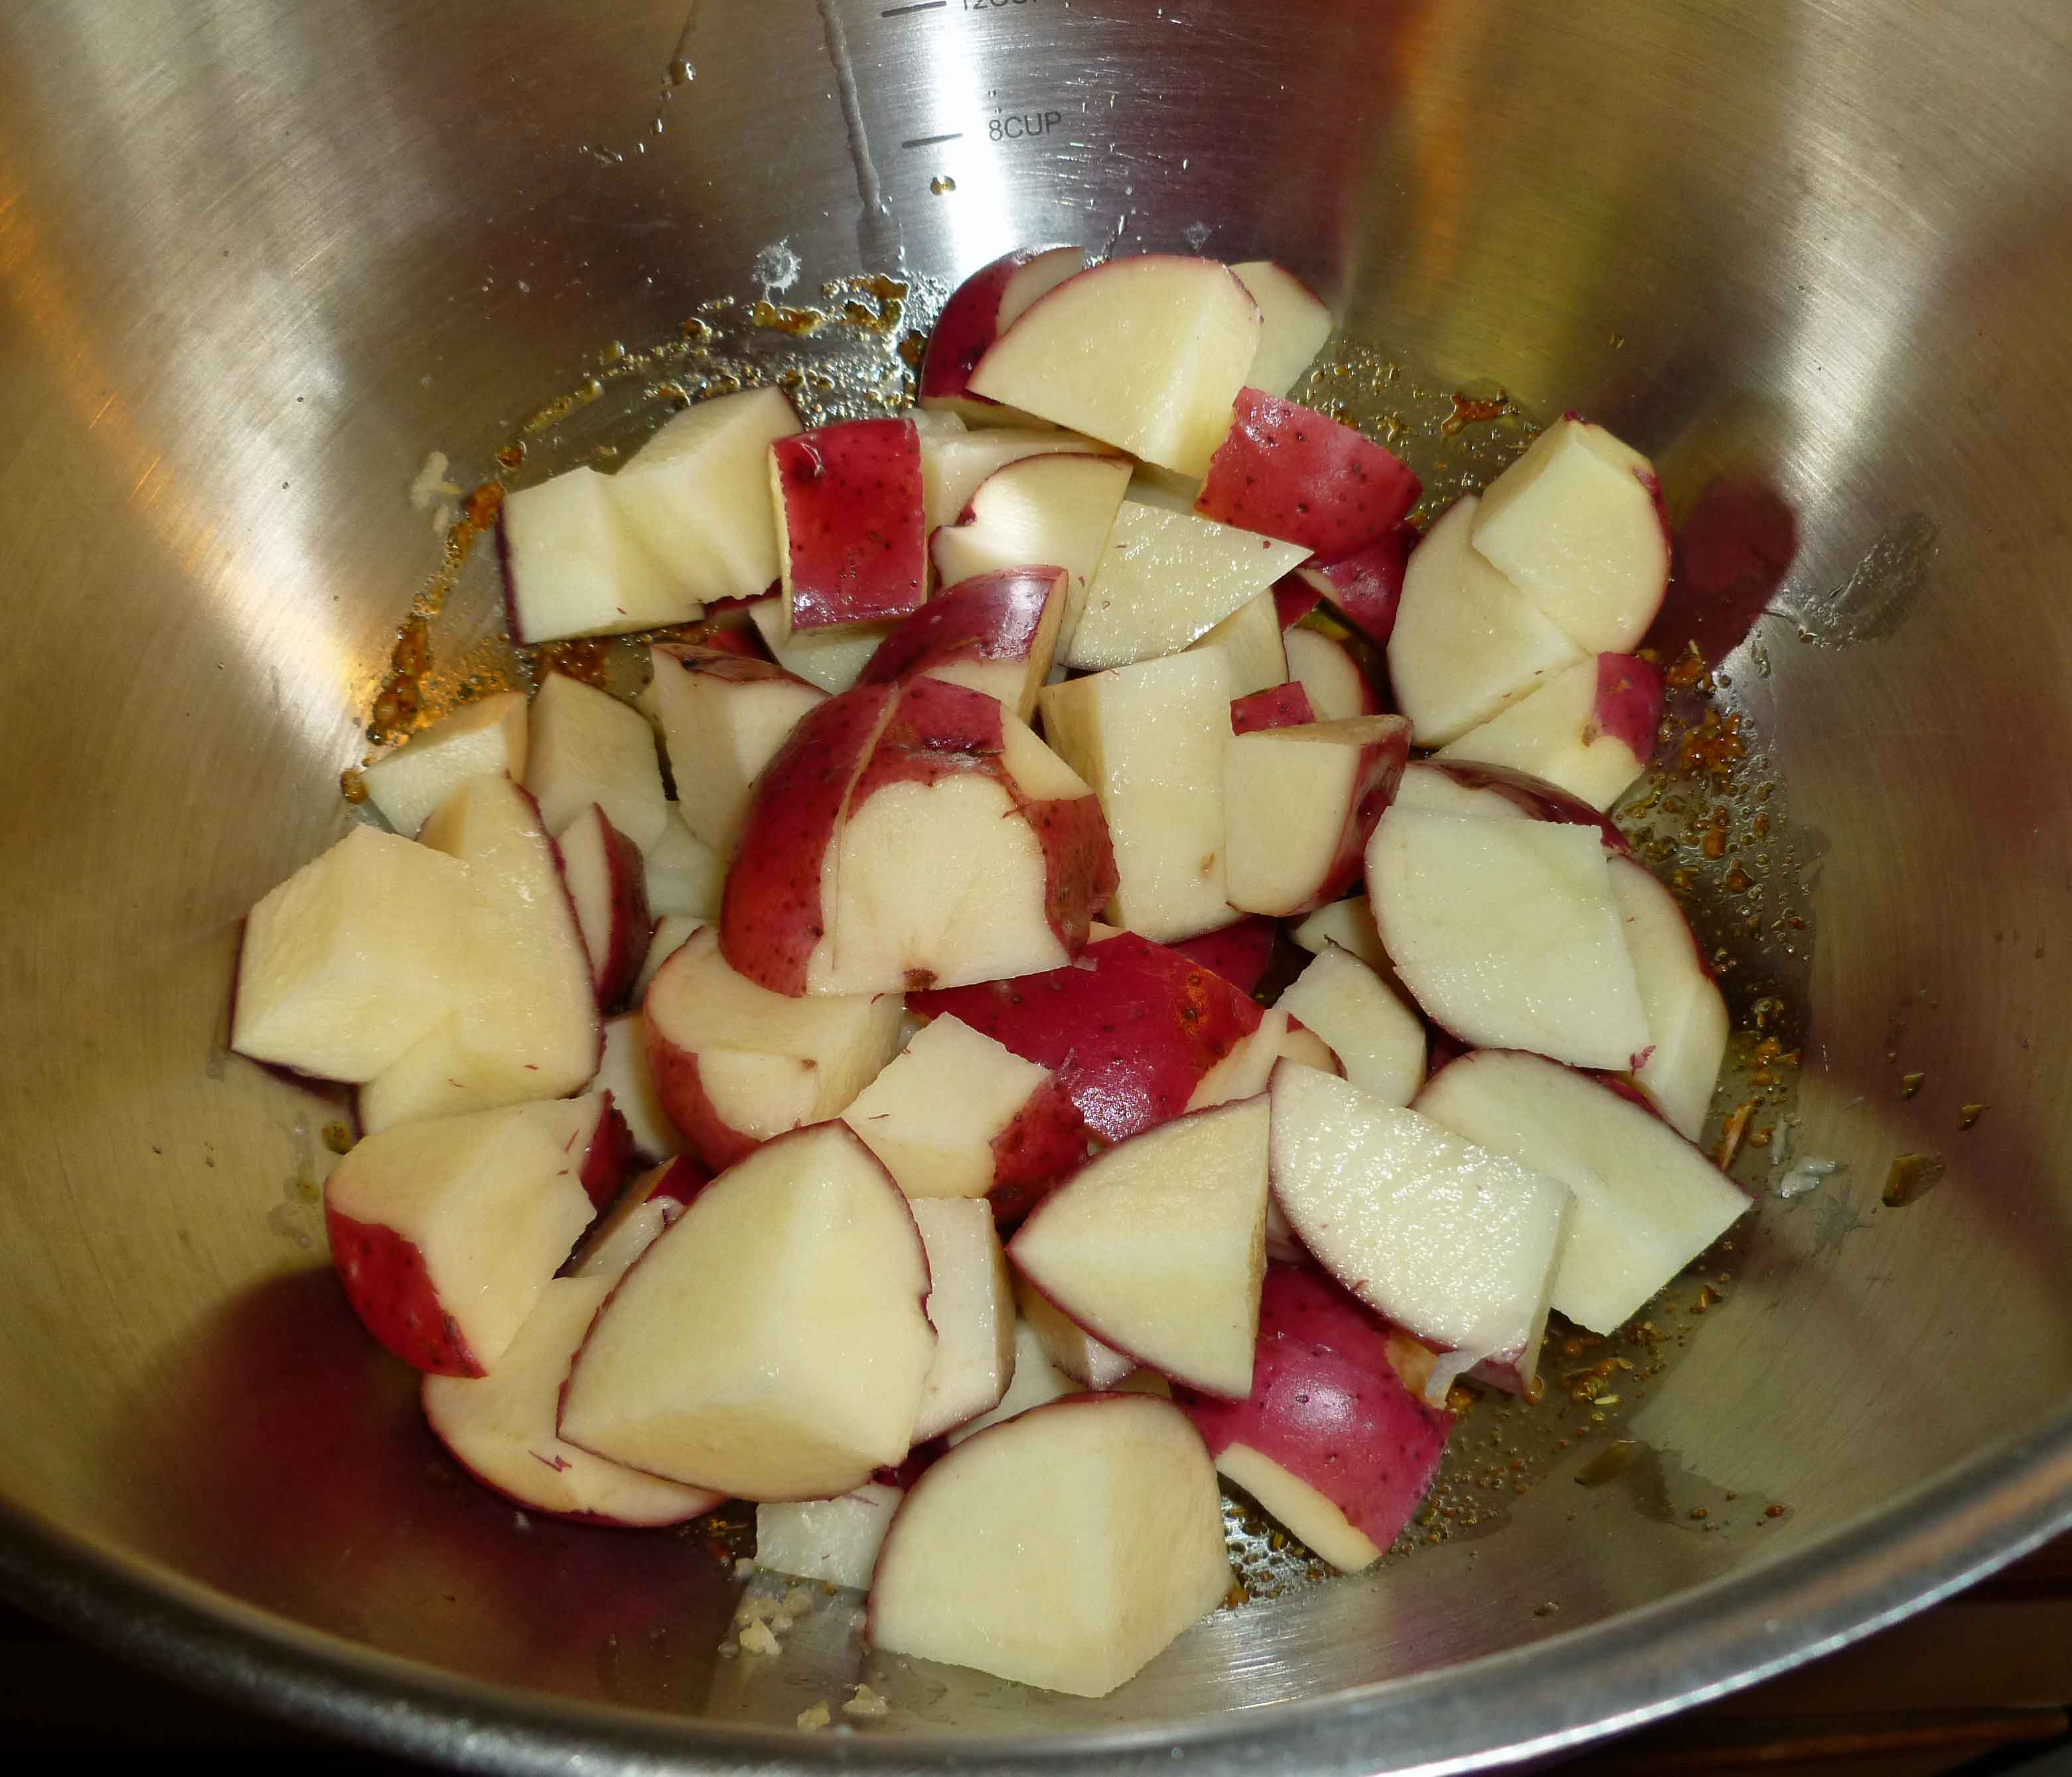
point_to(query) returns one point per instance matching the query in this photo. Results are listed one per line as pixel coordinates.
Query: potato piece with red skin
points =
(1278, 706)
(1130, 1029)
(1238, 953)
(995, 633)
(606, 877)
(771, 919)
(723, 714)
(1330, 1410)
(980, 310)
(930, 881)
(1337, 686)
(1294, 598)
(849, 500)
(1365, 585)
(1290, 472)
(1301, 803)
(405, 1210)
(735, 1064)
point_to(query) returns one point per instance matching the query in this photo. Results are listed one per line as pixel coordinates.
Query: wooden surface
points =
(1982, 1684)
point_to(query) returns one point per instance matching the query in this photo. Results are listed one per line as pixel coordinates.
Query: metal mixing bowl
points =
(255, 259)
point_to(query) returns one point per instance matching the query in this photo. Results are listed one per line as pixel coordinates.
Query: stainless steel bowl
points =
(255, 260)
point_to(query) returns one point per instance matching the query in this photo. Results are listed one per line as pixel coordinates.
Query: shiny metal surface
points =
(255, 261)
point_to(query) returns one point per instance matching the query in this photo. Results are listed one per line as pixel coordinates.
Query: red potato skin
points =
(1381, 768)
(1543, 801)
(1366, 586)
(631, 924)
(852, 517)
(1278, 706)
(771, 916)
(735, 663)
(1294, 598)
(1359, 1438)
(937, 730)
(1325, 1382)
(989, 617)
(1043, 1140)
(969, 322)
(715, 1142)
(1239, 953)
(1290, 472)
(608, 1156)
(1129, 1030)
(390, 1289)
(1629, 703)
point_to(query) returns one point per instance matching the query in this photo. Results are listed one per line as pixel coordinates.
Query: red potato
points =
(1350, 925)
(1243, 1073)
(971, 1305)
(849, 499)
(1130, 1030)
(735, 1064)
(1687, 1018)
(1457, 1244)
(964, 849)
(525, 1022)
(1646, 1201)
(1052, 508)
(1379, 1041)
(350, 963)
(997, 633)
(1239, 953)
(773, 918)
(957, 1114)
(1293, 473)
(1294, 598)
(1165, 579)
(1251, 639)
(445, 1232)
(1589, 731)
(573, 566)
(487, 735)
(1467, 643)
(1328, 675)
(672, 931)
(697, 494)
(1490, 792)
(501, 1427)
(831, 659)
(1293, 325)
(1150, 739)
(1155, 1247)
(955, 464)
(1299, 806)
(1365, 585)
(1507, 934)
(772, 1344)
(680, 875)
(587, 747)
(1144, 353)
(723, 717)
(607, 883)
(624, 1071)
(630, 1225)
(835, 1541)
(999, 1559)
(1280, 706)
(1333, 1441)
(980, 310)
(1578, 525)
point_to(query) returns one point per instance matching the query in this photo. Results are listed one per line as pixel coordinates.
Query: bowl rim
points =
(1548, 1697)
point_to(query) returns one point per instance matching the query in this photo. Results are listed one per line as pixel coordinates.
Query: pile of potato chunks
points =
(837, 1080)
